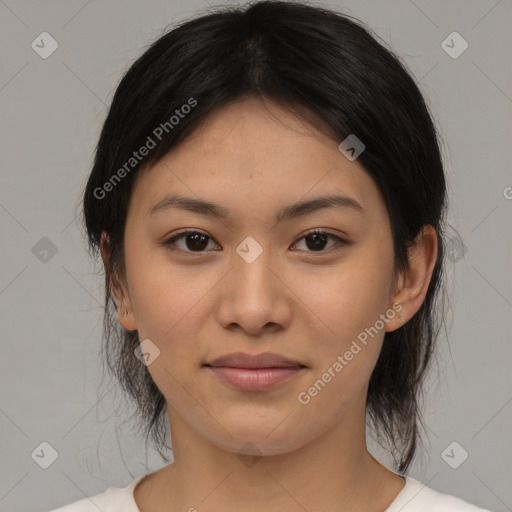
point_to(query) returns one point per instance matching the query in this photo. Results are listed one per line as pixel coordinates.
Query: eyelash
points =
(340, 242)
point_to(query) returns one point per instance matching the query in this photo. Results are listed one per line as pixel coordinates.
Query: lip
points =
(263, 360)
(254, 379)
(258, 372)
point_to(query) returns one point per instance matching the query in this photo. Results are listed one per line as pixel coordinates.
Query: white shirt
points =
(414, 497)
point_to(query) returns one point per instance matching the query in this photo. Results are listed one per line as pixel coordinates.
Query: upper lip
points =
(263, 360)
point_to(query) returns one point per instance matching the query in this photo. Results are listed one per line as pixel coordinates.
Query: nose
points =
(255, 296)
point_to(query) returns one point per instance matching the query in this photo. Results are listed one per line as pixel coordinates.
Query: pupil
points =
(316, 237)
(197, 241)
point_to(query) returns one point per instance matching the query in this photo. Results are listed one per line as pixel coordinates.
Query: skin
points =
(254, 158)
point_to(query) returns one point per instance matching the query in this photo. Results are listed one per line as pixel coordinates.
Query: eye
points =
(197, 241)
(189, 241)
(316, 240)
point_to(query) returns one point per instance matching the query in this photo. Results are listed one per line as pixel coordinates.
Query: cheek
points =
(347, 342)
(168, 307)
(167, 298)
(346, 299)
(346, 329)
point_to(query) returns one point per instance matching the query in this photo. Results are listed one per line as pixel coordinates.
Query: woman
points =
(268, 198)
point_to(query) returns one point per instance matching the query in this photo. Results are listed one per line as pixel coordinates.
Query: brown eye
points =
(189, 241)
(197, 241)
(317, 240)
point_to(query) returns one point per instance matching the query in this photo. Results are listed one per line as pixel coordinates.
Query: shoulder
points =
(99, 501)
(114, 499)
(417, 497)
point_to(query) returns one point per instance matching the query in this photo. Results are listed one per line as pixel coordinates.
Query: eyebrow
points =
(289, 212)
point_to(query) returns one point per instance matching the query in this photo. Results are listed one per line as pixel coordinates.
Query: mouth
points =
(255, 379)
(255, 361)
(259, 372)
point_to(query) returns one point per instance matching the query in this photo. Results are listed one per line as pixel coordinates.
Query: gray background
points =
(52, 387)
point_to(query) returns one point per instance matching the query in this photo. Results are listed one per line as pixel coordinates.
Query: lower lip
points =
(254, 379)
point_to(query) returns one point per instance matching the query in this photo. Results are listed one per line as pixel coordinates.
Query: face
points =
(259, 281)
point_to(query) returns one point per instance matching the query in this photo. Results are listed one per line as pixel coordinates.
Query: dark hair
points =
(328, 69)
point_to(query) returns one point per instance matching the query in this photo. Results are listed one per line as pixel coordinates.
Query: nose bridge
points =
(253, 296)
(251, 273)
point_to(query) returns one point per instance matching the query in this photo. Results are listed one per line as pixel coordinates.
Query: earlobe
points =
(125, 314)
(398, 319)
(422, 256)
(126, 318)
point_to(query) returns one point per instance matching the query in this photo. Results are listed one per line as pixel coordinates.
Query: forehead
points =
(251, 154)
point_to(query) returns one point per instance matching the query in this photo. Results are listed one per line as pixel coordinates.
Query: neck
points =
(203, 476)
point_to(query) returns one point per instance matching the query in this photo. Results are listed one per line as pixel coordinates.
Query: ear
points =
(414, 282)
(119, 294)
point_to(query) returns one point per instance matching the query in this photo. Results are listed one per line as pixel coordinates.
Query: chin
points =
(258, 446)
(258, 438)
